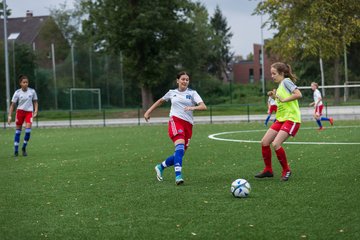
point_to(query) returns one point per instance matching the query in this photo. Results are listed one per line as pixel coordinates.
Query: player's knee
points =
(264, 142)
(275, 145)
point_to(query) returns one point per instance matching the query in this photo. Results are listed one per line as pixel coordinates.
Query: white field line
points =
(215, 137)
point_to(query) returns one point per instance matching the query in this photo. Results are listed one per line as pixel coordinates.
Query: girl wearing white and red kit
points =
(318, 105)
(272, 107)
(27, 107)
(288, 119)
(183, 102)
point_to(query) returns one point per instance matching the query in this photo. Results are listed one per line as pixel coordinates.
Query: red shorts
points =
(288, 126)
(319, 109)
(23, 116)
(180, 129)
(273, 108)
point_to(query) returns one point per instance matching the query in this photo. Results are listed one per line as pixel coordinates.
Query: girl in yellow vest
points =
(288, 119)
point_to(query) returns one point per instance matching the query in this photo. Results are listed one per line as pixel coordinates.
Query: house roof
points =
(28, 27)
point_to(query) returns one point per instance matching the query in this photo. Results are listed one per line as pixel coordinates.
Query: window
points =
(260, 57)
(251, 75)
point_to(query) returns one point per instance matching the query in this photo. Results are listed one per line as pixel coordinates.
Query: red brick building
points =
(250, 71)
(39, 33)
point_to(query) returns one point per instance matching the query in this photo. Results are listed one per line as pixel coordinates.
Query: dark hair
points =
(22, 77)
(181, 73)
(285, 69)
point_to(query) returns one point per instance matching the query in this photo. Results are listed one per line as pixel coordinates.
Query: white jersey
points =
(24, 100)
(317, 96)
(180, 100)
(271, 101)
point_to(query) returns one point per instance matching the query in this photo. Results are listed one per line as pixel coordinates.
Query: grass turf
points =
(99, 183)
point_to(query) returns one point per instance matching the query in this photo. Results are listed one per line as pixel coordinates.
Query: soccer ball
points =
(240, 188)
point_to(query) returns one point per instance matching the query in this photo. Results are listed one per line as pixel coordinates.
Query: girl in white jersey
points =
(27, 107)
(318, 105)
(183, 102)
(272, 107)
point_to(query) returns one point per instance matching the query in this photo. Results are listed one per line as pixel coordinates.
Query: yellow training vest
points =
(287, 110)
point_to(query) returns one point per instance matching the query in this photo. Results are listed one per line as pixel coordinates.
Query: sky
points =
(246, 28)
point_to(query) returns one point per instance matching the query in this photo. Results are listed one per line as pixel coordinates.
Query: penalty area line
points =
(215, 137)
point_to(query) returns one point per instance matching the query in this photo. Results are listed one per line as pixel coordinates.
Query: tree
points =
(149, 34)
(196, 47)
(68, 21)
(8, 11)
(221, 38)
(313, 28)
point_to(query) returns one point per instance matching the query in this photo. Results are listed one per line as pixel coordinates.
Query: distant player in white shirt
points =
(27, 107)
(183, 102)
(272, 107)
(318, 105)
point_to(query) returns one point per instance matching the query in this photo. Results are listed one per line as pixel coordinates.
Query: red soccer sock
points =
(281, 155)
(266, 153)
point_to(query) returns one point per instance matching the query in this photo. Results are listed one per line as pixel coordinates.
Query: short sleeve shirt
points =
(289, 85)
(317, 96)
(180, 100)
(271, 101)
(24, 99)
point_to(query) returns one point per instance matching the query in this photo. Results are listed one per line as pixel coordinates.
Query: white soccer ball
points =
(240, 188)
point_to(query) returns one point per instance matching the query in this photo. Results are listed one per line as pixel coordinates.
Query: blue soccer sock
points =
(179, 153)
(319, 123)
(168, 162)
(26, 137)
(17, 139)
(324, 119)
(267, 119)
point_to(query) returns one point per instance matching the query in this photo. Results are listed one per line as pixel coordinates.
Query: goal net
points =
(85, 98)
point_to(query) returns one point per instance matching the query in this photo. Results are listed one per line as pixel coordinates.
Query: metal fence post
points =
(138, 116)
(70, 118)
(4, 120)
(211, 114)
(248, 111)
(104, 117)
(326, 109)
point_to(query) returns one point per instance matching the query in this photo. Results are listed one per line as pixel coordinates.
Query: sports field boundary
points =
(336, 112)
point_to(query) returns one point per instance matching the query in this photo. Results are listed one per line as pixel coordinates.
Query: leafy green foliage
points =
(159, 38)
(8, 11)
(314, 28)
(24, 64)
(221, 55)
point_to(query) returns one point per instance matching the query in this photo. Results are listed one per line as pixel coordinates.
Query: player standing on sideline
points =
(183, 102)
(318, 104)
(27, 108)
(288, 119)
(272, 107)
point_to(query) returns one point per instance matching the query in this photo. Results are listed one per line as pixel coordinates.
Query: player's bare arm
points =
(152, 108)
(36, 106)
(11, 109)
(200, 107)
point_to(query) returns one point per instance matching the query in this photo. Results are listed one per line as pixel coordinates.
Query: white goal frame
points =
(331, 86)
(95, 90)
(345, 86)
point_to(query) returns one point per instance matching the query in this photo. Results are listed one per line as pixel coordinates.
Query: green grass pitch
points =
(99, 183)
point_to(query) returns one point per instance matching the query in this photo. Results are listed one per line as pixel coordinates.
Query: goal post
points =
(89, 90)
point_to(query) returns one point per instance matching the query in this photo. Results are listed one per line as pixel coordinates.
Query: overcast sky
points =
(244, 26)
